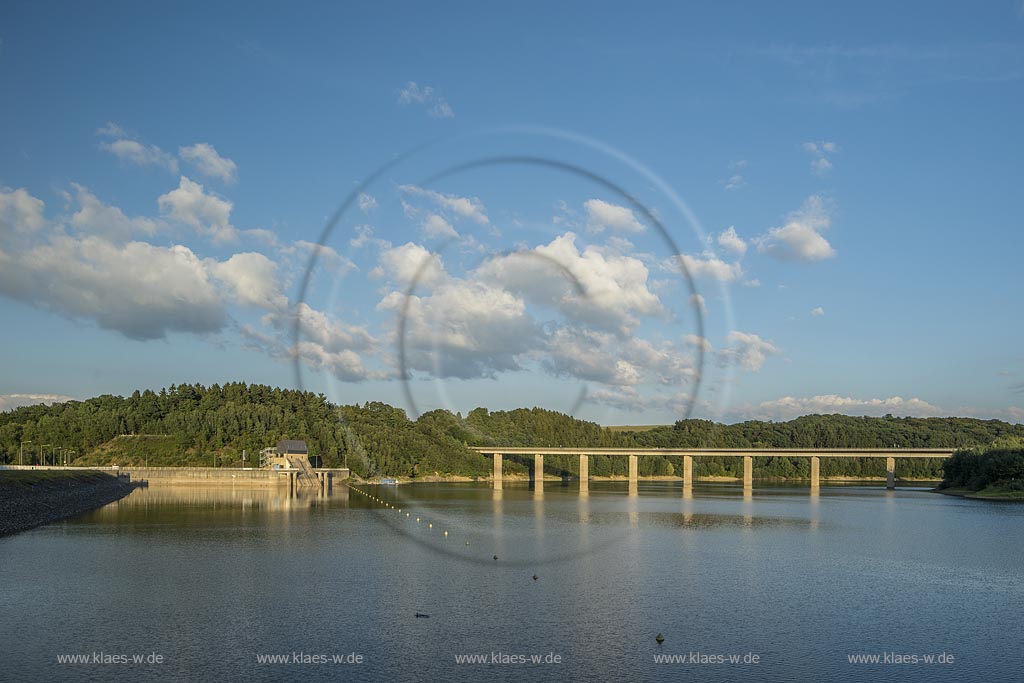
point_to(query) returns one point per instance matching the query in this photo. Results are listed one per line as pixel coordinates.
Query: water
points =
(211, 578)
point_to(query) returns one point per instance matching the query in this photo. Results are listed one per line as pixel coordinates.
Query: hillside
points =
(191, 424)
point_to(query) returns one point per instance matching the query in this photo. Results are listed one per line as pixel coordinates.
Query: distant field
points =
(635, 428)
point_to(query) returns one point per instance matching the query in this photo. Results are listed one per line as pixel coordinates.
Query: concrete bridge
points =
(688, 454)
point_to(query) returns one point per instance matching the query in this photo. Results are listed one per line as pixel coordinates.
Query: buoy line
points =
(408, 515)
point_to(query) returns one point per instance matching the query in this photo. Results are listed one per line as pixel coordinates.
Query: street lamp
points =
(21, 459)
(41, 447)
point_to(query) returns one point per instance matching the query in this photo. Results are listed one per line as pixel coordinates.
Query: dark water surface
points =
(211, 579)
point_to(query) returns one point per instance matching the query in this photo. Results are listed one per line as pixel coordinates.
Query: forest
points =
(995, 469)
(227, 425)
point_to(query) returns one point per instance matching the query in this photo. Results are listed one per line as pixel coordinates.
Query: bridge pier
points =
(633, 470)
(748, 471)
(496, 476)
(890, 473)
(687, 471)
(815, 471)
(584, 472)
(538, 471)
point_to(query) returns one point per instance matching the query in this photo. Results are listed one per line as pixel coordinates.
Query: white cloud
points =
(135, 152)
(614, 360)
(138, 289)
(252, 279)
(698, 302)
(604, 289)
(698, 342)
(821, 164)
(728, 239)
(344, 364)
(461, 207)
(205, 158)
(735, 182)
(13, 401)
(800, 238)
(601, 215)
(326, 257)
(789, 407)
(20, 212)
(410, 263)
(207, 213)
(112, 130)
(708, 266)
(94, 217)
(366, 202)
(464, 329)
(316, 327)
(819, 311)
(752, 283)
(621, 398)
(746, 351)
(437, 106)
(437, 226)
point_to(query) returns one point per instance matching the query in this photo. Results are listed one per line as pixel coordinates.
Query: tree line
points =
(193, 424)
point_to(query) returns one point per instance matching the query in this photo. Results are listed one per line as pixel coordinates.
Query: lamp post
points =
(21, 458)
(41, 456)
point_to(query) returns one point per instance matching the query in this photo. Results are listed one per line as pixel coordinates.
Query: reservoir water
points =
(250, 584)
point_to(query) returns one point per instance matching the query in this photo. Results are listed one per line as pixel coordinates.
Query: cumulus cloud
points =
(608, 290)
(252, 279)
(800, 238)
(343, 364)
(729, 240)
(708, 266)
(470, 208)
(436, 226)
(410, 263)
(14, 401)
(819, 311)
(205, 212)
(464, 329)
(746, 351)
(437, 106)
(20, 212)
(697, 341)
(206, 159)
(138, 289)
(591, 355)
(135, 152)
(602, 215)
(94, 217)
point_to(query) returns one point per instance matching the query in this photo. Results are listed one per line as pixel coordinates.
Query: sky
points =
(630, 213)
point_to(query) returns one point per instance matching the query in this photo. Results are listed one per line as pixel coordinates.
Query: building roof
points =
(291, 446)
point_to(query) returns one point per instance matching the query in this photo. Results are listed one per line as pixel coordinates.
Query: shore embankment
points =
(985, 494)
(30, 498)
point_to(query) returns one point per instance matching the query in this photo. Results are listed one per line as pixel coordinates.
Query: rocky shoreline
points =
(27, 502)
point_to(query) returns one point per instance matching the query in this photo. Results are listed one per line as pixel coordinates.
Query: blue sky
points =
(841, 183)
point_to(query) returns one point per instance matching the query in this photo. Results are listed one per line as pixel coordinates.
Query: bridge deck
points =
(730, 452)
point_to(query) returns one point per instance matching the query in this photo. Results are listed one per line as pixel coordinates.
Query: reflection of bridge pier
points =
(538, 474)
(688, 454)
(497, 470)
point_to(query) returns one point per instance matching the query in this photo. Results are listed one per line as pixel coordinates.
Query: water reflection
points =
(210, 576)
